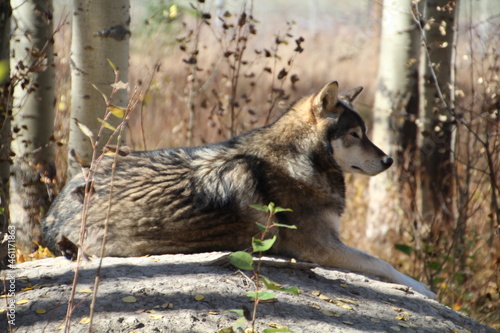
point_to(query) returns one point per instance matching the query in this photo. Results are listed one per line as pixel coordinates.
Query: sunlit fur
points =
(197, 199)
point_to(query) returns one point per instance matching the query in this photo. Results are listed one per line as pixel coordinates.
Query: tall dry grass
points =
(346, 51)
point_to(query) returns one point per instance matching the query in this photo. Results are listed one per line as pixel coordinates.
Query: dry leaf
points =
(129, 299)
(315, 306)
(120, 85)
(156, 316)
(117, 111)
(22, 302)
(40, 310)
(85, 130)
(85, 320)
(199, 297)
(87, 290)
(330, 313)
(106, 124)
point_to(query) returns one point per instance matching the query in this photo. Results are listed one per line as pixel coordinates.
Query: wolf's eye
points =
(354, 135)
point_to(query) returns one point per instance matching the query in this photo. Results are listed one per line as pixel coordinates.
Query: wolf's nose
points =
(387, 161)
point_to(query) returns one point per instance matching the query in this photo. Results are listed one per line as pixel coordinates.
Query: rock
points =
(181, 293)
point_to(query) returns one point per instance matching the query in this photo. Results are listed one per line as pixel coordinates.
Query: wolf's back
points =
(168, 201)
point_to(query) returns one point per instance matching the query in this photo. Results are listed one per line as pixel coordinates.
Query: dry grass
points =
(349, 55)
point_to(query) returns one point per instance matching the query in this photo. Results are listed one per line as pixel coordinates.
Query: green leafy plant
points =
(264, 287)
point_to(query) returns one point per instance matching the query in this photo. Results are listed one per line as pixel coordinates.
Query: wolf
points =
(190, 200)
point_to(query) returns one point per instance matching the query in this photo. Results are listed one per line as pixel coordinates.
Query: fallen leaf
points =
(315, 306)
(22, 302)
(85, 320)
(348, 301)
(199, 297)
(347, 322)
(40, 310)
(156, 316)
(395, 328)
(402, 317)
(330, 313)
(85, 290)
(129, 299)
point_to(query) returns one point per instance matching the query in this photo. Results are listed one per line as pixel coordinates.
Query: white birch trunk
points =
(394, 89)
(100, 32)
(32, 119)
(5, 14)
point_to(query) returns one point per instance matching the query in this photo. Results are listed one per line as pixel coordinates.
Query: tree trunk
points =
(100, 35)
(436, 102)
(394, 114)
(32, 119)
(5, 99)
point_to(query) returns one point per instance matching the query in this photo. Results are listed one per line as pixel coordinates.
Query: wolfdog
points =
(198, 199)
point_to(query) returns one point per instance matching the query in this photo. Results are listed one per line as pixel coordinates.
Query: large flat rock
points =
(165, 290)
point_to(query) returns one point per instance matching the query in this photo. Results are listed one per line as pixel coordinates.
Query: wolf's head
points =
(346, 132)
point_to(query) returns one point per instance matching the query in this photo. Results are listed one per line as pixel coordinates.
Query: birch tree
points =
(394, 111)
(5, 14)
(437, 113)
(32, 118)
(100, 38)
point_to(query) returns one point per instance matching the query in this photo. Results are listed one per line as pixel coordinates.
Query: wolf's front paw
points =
(418, 287)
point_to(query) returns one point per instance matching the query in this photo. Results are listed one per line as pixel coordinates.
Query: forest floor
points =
(182, 293)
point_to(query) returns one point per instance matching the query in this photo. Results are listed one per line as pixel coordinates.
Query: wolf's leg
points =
(345, 257)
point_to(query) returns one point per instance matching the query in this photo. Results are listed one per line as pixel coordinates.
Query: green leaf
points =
(270, 207)
(261, 208)
(284, 226)
(261, 226)
(238, 311)
(404, 248)
(434, 265)
(106, 124)
(262, 245)
(261, 295)
(239, 323)
(241, 260)
(280, 209)
(112, 65)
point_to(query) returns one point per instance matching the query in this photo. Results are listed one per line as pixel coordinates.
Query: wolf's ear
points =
(326, 99)
(351, 94)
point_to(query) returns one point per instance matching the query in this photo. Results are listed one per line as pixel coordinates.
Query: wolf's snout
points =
(387, 161)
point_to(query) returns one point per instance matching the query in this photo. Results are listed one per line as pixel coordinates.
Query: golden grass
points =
(348, 55)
